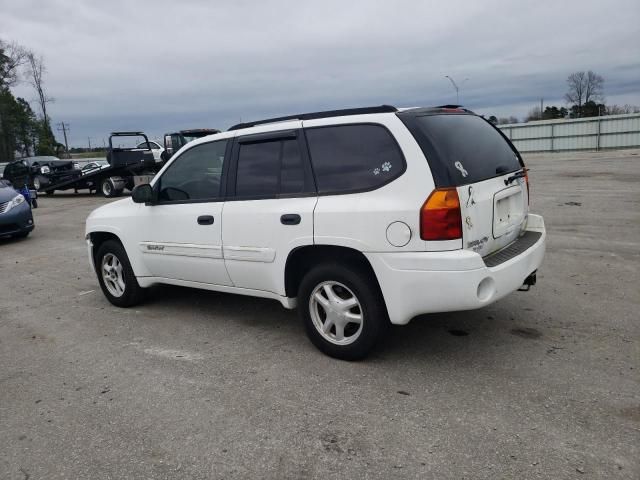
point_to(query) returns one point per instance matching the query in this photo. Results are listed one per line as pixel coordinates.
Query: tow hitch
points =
(528, 282)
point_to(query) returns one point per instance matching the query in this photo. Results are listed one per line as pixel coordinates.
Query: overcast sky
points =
(158, 66)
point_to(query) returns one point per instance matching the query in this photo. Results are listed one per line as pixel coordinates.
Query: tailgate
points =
(493, 213)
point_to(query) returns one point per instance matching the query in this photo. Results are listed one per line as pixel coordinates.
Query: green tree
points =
(553, 112)
(26, 127)
(46, 143)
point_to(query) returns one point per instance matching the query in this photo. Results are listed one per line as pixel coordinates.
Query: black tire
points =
(375, 320)
(133, 293)
(107, 188)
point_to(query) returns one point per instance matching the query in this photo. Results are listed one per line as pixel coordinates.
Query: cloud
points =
(161, 65)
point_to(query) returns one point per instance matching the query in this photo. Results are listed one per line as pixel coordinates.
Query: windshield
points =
(462, 149)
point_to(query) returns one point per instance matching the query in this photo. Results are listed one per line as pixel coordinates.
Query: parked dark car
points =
(16, 219)
(40, 172)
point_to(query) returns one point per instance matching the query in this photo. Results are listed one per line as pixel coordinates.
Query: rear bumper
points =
(414, 283)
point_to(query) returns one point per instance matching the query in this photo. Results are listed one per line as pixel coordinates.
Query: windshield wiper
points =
(522, 173)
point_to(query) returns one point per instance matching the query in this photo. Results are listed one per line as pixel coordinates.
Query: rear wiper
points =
(521, 174)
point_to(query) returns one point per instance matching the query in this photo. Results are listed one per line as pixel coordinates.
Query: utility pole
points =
(541, 102)
(89, 140)
(64, 128)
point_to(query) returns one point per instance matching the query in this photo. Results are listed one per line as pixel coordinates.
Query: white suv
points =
(360, 218)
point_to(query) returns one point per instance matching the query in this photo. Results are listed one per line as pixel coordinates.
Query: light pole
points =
(455, 85)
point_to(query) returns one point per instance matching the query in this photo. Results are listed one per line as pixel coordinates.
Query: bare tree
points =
(37, 71)
(12, 57)
(534, 114)
(584, 87)
(618, 110)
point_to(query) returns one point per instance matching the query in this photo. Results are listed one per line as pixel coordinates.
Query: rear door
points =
(269, 209)
(466, 152)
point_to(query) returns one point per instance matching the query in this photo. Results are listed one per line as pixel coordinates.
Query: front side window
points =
(353, 157)
(270, 168)
(195, 175)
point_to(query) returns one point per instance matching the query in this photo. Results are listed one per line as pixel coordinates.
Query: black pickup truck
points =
(175, 140)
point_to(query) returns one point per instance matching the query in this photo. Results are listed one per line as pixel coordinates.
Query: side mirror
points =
(168, 145)
(142, 193)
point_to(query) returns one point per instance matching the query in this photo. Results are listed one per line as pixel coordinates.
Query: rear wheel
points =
(107, 188)
(342, 310)
(116, 277)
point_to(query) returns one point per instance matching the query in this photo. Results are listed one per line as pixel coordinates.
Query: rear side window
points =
(270, 168)
(353, 157)
(461, 149)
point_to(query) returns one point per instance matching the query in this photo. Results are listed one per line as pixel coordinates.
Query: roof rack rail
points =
(315, 115)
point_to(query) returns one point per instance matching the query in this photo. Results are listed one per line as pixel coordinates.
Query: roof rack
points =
(315, 115)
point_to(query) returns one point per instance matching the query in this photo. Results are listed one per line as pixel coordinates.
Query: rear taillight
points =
(440, 217)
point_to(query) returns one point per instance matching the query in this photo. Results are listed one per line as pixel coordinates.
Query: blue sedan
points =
(16, 219)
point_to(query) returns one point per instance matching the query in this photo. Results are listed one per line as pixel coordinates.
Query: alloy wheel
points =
(113, 275)
(336, 313)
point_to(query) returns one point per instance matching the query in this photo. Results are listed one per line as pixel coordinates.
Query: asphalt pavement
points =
(195, 384)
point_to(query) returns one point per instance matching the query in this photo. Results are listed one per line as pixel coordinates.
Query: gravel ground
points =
(196, 384)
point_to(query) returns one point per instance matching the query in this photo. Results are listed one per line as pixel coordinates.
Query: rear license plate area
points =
(508, 210)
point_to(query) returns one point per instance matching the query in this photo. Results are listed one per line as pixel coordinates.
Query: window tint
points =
(152, 145)
(195, 174)
(292, 173)
(461, 149)
(353, 157)
(269, 168)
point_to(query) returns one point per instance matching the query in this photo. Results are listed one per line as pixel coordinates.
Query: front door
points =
(269, 208)
(181, 235)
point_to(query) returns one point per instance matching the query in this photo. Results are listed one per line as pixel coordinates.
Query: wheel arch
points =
(100, 234)
(302, 259)
(99, 237)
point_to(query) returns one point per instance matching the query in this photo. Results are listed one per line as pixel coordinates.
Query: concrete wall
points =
(594, 133)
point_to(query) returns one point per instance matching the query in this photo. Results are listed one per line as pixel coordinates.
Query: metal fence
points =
(594, 133)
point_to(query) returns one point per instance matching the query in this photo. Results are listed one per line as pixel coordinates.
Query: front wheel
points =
(343, 310)
(116, 277)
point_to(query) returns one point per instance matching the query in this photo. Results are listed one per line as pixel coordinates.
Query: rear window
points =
(348, 158)
(461, 149)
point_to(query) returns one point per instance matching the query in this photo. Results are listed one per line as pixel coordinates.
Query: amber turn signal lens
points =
(440, 217)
